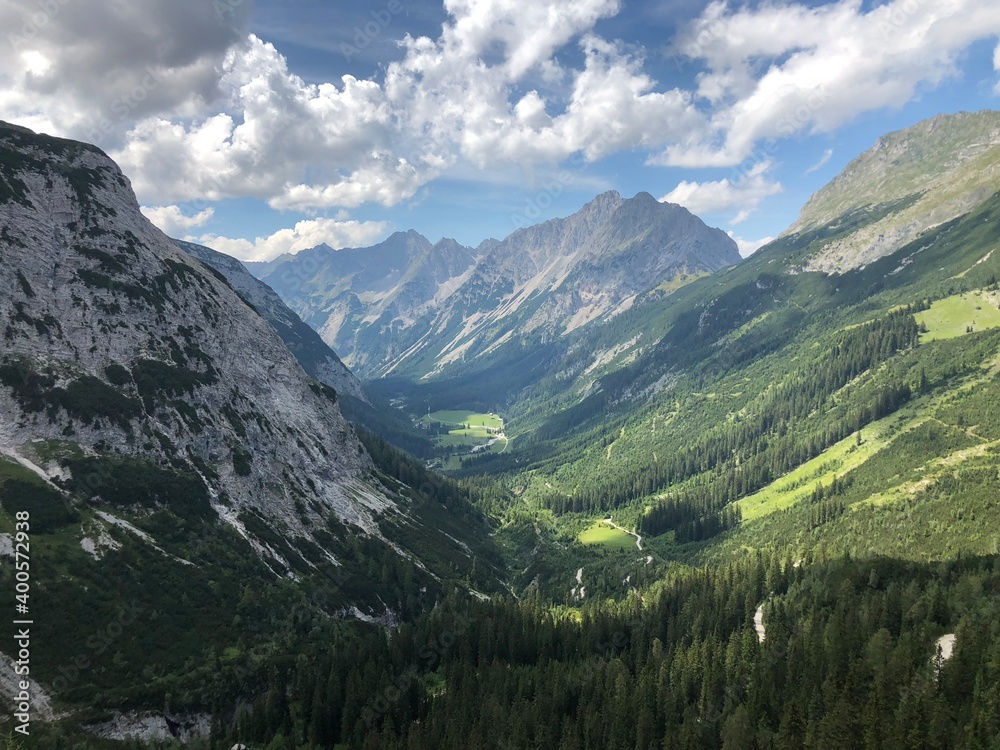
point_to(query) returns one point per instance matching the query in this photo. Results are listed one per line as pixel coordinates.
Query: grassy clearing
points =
(466, 430)
(934, 471)
(951, 317)
(847, 455)
(500, 446)
(461, 418)
(946, 319)
(11, 469)
(606, 536)
(679, 281)
(457, 438)
(835, 461)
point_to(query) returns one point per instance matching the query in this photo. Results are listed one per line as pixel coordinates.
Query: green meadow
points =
(951, 317)
(607, 536)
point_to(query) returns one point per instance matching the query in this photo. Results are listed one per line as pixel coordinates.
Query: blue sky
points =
(267, 127)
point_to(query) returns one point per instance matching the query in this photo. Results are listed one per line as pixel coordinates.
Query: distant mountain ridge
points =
(407, 306)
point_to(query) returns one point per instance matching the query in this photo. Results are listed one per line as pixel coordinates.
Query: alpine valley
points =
(689, 501)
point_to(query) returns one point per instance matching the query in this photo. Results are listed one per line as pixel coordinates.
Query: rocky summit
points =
(406, 306)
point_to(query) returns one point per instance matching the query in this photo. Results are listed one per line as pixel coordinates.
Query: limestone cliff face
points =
(315, 356)
(119, 343)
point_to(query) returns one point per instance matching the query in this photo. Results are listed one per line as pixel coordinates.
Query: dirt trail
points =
(612, 524)
(758, 623)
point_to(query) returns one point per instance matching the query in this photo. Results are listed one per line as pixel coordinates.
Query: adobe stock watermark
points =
(225, 8)
(365, 35)
(431, 654)
(124, 105)
(535, 206)
(542, 200)
(895, 17)
(763, 153)
(605, 652)
(97, 644)
(46, 13)
(217, 184)
(694, 49)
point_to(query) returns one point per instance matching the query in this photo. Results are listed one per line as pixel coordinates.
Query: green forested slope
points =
(817, 449)
(821, 449)
(770, 386)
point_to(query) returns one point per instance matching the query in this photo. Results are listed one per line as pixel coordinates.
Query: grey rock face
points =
(315, 356)
(908, 182)
(115, 340)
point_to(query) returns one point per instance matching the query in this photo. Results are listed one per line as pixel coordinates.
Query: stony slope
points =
(315, 356)
(907, 183)
(99, 304)
(117, 345)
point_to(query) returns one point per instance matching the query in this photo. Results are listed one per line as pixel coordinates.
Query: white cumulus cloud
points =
(195, 108)
(996, 66)
(749, 247)
(780, 69)
(304, 235)
(172, 221)
(743, 194)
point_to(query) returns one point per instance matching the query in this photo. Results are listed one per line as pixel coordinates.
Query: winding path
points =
(638, 539)
(758, 623)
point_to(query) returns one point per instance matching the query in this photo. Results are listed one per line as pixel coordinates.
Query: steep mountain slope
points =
(775, 408)
(907, 183)
(108, 326)
(453, 305)
(175, 458)
(316, 358)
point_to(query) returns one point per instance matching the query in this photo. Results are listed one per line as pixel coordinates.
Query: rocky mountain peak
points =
(123, 347)
(548, 279)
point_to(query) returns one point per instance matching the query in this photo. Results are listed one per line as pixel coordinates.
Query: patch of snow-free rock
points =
(121, 523)
(153, 727)
(99, 541)
(41, 702)
(758, 623)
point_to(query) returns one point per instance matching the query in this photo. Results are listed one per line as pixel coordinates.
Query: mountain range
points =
(406, 307)
(740, 504)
